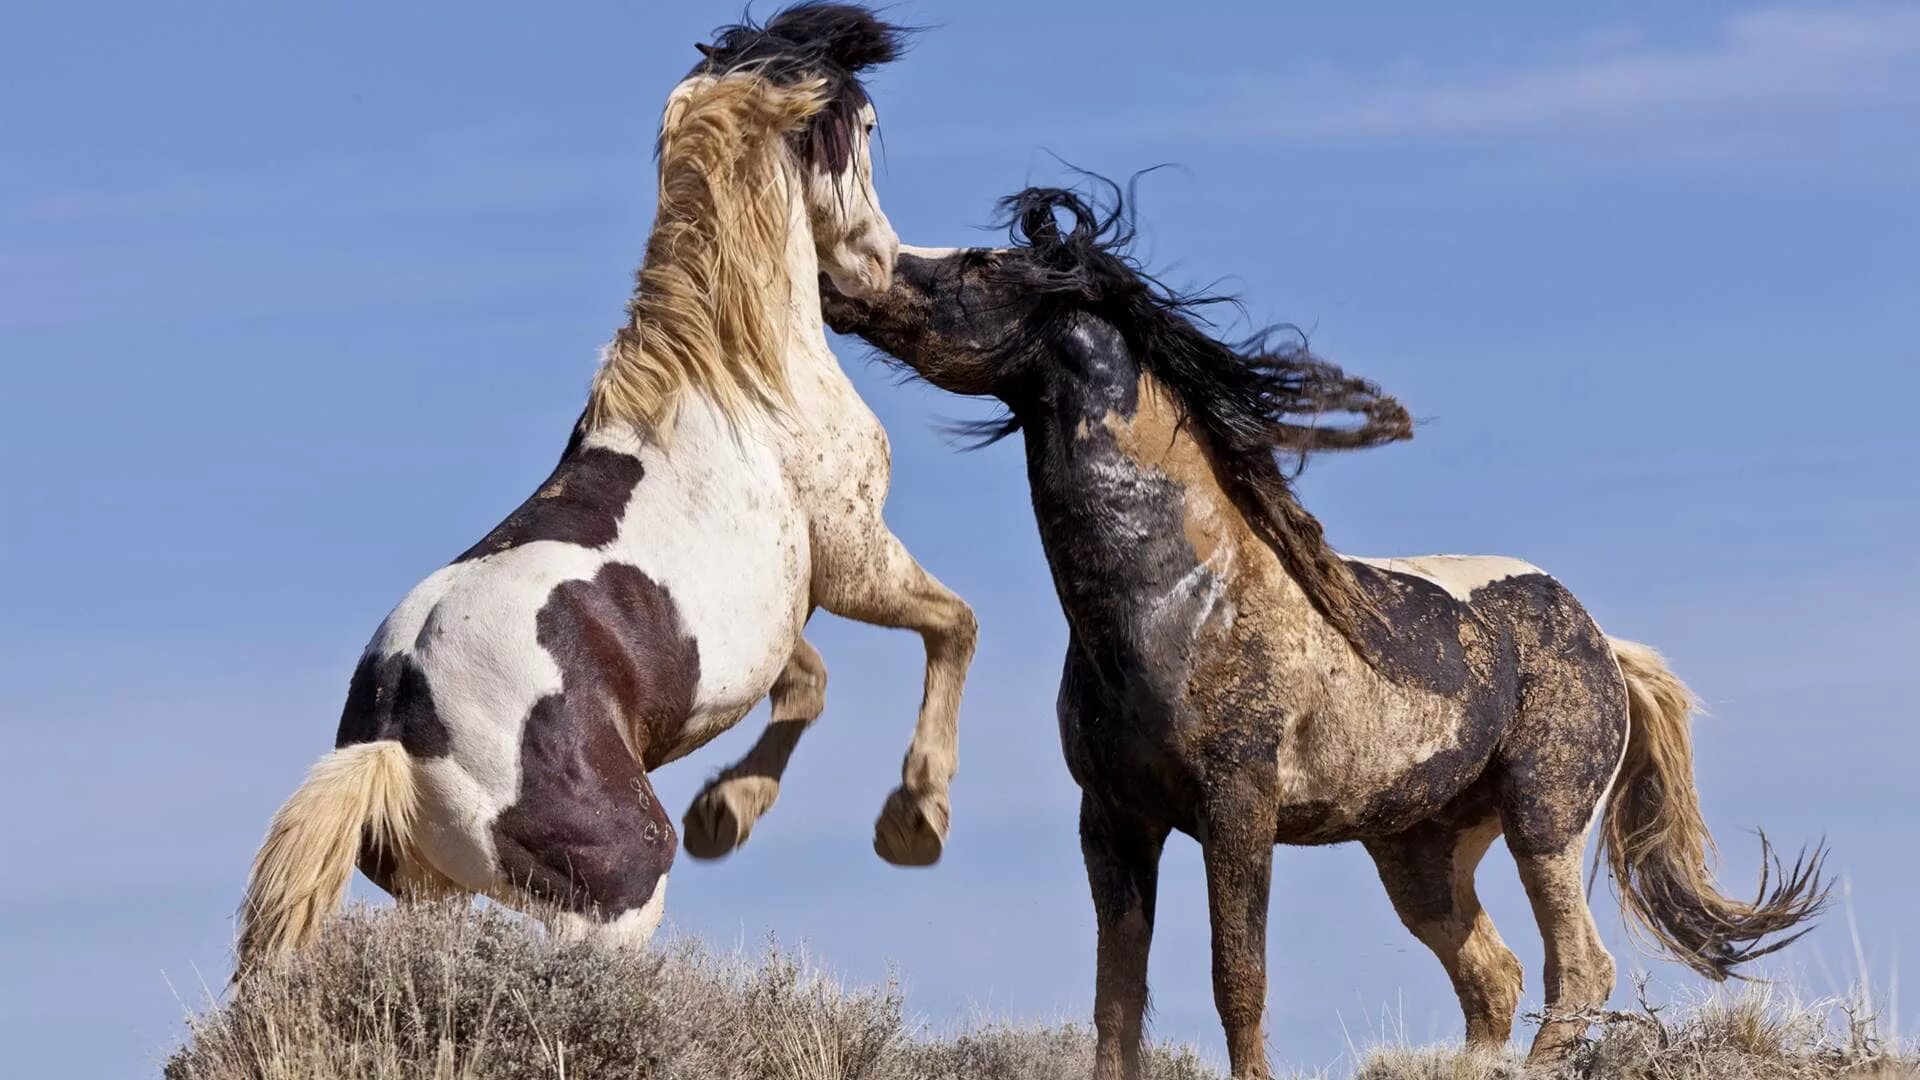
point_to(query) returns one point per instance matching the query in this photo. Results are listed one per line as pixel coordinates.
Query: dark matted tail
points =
(1657, 845)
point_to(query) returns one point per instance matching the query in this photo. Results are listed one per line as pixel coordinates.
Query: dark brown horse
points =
(1230, 676)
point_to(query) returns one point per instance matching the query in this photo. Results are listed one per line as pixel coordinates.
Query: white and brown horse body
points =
(500, 726)
(1229, 676)
(640, 603)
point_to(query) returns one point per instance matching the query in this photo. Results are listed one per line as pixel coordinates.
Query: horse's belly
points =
(744, 610)
(718, 528)
(1349, 778)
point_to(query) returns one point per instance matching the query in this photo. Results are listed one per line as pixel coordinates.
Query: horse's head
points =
(953, 315)
(826, 47)
(855, 241)
(1066, 304)
(986, 321)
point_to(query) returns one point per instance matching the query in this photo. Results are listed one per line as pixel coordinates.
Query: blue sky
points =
(301, 300)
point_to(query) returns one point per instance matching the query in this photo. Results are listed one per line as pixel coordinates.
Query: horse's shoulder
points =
(835, 445)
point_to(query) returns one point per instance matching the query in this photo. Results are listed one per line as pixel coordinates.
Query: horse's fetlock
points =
(928, 772)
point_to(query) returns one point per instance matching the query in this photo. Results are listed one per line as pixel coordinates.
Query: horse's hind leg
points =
(1555, 766)
(1579, 970)
(723, 814)
(1428, 872)
(413, 879)
(586, 833)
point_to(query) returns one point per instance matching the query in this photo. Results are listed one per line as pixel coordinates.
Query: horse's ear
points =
(704, 49)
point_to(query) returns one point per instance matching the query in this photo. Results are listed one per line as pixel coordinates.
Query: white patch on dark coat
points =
(1460, 575)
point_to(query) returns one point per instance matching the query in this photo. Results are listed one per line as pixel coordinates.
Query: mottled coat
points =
(1231, 677)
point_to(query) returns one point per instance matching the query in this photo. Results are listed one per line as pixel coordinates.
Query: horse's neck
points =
(804, 353)
(804, 328)
(1135, 512)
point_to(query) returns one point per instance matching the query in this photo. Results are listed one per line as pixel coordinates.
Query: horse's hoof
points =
(912, 830)
(722, 816)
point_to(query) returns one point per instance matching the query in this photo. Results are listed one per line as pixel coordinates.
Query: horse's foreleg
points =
(1238, 849)
(723, 814)
(871, 578)
(1123, 869)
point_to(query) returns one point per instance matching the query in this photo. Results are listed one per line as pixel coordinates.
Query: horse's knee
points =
(800, 691)
(963, 626)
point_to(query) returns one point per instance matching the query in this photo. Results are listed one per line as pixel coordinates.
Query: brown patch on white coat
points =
(724, 481)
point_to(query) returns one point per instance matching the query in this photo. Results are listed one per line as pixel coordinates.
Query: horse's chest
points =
(722, 534)
(1130, 754)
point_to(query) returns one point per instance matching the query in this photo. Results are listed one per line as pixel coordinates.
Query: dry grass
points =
(1758, 1034)
(442, 992)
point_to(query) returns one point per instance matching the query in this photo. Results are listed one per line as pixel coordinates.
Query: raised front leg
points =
(1123, 869)
(1240, 822)
(723, 814)
(867, 575)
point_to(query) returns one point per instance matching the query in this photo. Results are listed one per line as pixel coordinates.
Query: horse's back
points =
(1509, 596)
(1561, 715)
(1459, 575)
(703, 539)
(1433, 607)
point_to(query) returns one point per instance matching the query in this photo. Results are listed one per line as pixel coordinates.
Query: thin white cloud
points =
(1760, 69)
(474, 168)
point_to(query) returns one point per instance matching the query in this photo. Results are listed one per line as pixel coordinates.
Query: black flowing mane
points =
(1251, 399)
(812, 40)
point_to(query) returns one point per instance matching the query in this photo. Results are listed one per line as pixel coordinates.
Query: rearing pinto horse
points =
(724, 479)
(1230, 676)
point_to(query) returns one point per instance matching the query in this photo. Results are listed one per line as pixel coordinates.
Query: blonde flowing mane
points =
(709, 302)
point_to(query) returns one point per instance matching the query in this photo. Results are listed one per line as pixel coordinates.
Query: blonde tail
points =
(1656, 843)
(362, 792)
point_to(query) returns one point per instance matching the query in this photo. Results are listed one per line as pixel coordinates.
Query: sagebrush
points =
(447, 992)
(442, 992)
